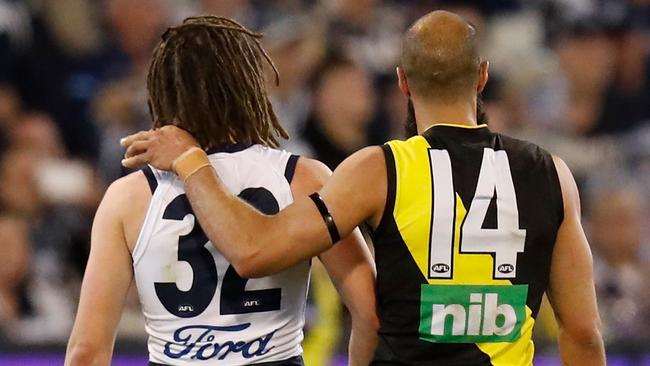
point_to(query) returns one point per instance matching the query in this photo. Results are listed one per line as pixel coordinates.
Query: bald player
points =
(471, 227)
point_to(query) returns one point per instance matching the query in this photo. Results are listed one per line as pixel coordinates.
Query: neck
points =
(428, 113)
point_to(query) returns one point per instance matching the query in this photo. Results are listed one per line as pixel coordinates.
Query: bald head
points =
(440, 57)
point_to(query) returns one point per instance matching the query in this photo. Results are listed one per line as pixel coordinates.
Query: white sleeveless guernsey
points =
(197, 309)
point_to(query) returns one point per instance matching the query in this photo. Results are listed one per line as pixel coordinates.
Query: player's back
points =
(197, 308)
(464, 248)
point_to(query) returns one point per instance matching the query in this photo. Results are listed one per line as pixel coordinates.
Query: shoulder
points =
(371, 155)
(570, 195)
(125, 194)
(524, 148)
(404, 150)
(312, 168)
(310, 175)
(410, 142)
(313, 174)
(128, 187)
(365, 163)
(125, 204)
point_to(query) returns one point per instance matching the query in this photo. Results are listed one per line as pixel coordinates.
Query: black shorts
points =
(293, 361)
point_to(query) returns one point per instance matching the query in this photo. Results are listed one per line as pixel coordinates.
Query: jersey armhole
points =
(290, 169)
(391, 189)
(142, 242)
(151, 178)
(558, 191)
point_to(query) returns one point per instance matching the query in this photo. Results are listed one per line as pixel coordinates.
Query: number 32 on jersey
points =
(504, 242)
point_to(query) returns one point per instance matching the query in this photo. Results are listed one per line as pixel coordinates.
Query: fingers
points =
(137, 148)
(179, 135)
(135, 161)
(142, 135)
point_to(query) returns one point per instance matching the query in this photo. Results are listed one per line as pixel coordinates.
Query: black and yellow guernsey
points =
(463, 250)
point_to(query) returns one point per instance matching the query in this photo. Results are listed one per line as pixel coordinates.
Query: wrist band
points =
(327, 217)
(190, 162)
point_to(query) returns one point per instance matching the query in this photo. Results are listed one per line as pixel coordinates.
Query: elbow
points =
(367, 320)
(83, 353)
(255, 257)
(250, 265)
(245, 270)
(586, 335)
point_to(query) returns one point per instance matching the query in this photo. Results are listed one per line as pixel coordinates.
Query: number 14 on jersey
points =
(504, 242)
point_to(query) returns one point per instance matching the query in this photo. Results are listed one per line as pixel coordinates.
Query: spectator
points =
(621, 274)
(368, 31)
(38, 132)
(295, 50)
(627, 95)
(342, 111)
(586, 81)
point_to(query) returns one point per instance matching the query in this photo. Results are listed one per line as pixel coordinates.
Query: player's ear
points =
(484, 75)
(403, 83)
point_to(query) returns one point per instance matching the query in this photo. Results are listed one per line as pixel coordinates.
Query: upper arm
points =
(571, 291)
(356, 192)
(106, 280)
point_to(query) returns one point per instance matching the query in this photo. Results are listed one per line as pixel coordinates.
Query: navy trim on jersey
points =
(290, 170)
(151, 178)
(293, 361)
(233, 148)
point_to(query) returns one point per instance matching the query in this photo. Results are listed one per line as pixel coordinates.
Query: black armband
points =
(327, 217)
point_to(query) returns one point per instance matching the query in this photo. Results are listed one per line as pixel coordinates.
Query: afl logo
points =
(506, 268)
(440, 268)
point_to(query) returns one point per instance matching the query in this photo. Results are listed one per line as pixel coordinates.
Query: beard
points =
(481, 115)
(411, 127)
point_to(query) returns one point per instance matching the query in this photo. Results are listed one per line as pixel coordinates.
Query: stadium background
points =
(570, 75)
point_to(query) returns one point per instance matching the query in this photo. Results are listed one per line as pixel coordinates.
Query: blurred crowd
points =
(570, 75)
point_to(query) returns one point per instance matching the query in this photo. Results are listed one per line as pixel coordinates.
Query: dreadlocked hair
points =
(207, 77)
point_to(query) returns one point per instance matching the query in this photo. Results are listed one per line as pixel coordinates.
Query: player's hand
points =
(159, 147)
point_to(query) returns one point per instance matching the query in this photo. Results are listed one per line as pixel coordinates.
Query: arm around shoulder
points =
(298, 232)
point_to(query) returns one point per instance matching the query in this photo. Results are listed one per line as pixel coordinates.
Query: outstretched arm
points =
(571, 291)
(258, 244)
(107, 279)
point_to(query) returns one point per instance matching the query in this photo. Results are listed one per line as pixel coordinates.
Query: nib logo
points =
(472, 314)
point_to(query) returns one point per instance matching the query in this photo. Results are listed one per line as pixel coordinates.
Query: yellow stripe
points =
(412, 214)
(518, 353)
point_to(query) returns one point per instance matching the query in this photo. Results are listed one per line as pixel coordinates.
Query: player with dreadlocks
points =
(207, 77)
(188, 83)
